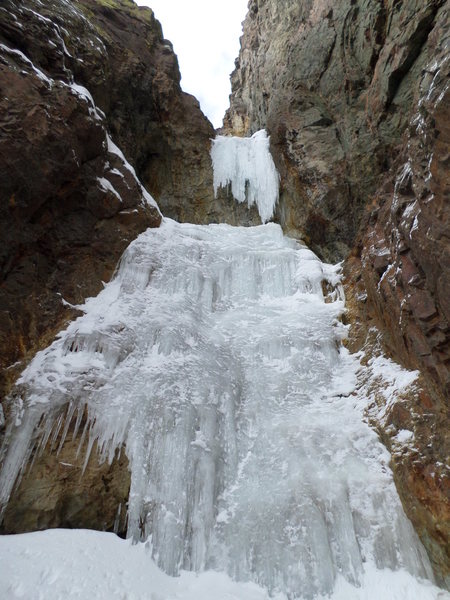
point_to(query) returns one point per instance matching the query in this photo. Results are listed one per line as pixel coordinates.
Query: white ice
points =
(246, 164)
(215, 360)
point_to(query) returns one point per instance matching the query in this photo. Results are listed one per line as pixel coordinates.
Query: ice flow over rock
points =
(247, 165)
(214, 359)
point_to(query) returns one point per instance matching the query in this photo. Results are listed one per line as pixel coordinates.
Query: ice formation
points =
(246, 164)
(214, 359)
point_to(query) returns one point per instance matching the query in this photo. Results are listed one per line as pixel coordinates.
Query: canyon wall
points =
(355, 97)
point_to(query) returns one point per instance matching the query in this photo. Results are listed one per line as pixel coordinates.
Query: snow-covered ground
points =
(89, 565)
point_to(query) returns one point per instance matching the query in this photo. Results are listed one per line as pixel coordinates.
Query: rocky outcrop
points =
(405, 270)
(413, 425)
(135, 80)
(67, 486)
(355, 97)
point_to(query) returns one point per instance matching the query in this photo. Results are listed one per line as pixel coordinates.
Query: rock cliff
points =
(355, 97)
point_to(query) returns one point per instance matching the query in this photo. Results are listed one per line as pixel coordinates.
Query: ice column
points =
(246, 164)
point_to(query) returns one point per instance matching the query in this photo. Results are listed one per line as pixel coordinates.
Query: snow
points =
(415, 225)
(39, 16)
(396, 378)
(410, 209)
(246, 164)
(114, 149)
(108, 187)
(378, 376)
(80, 90)
(85, 95)
(80, 565)
(213, 358)
(27, 61)
(147, 198)
(116, 172)
(97, 114)
(404, 435)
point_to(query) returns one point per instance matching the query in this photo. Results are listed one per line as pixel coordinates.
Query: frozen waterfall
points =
(247, 166)
(215, 359)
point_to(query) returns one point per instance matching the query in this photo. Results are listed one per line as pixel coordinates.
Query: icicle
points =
(19, 440)
(68, 420)
(247, 165)
(117, 519)
(80, 412)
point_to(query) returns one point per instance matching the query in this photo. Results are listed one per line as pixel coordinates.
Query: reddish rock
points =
(62, 194)
(57, 491)
(422, 305)
(410, 274)
(62, 231)
(381, 261)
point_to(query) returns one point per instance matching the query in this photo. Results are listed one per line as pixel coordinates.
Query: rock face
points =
(334, 84)
(355, 97)
(405, 244)
(135, 79)
(405, 269)
(58, 490)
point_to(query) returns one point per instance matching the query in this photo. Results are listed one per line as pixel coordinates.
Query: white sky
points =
(205, 36)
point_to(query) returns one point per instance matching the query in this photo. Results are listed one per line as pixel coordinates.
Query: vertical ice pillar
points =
(246, 164)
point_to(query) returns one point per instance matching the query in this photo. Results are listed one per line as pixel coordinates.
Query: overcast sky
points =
(205, 36)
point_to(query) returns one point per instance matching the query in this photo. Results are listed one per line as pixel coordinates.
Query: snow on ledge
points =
(246, 164)
(147, 198)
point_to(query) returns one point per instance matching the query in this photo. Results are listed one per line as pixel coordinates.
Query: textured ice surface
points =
(246, 164)
(213, 356)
